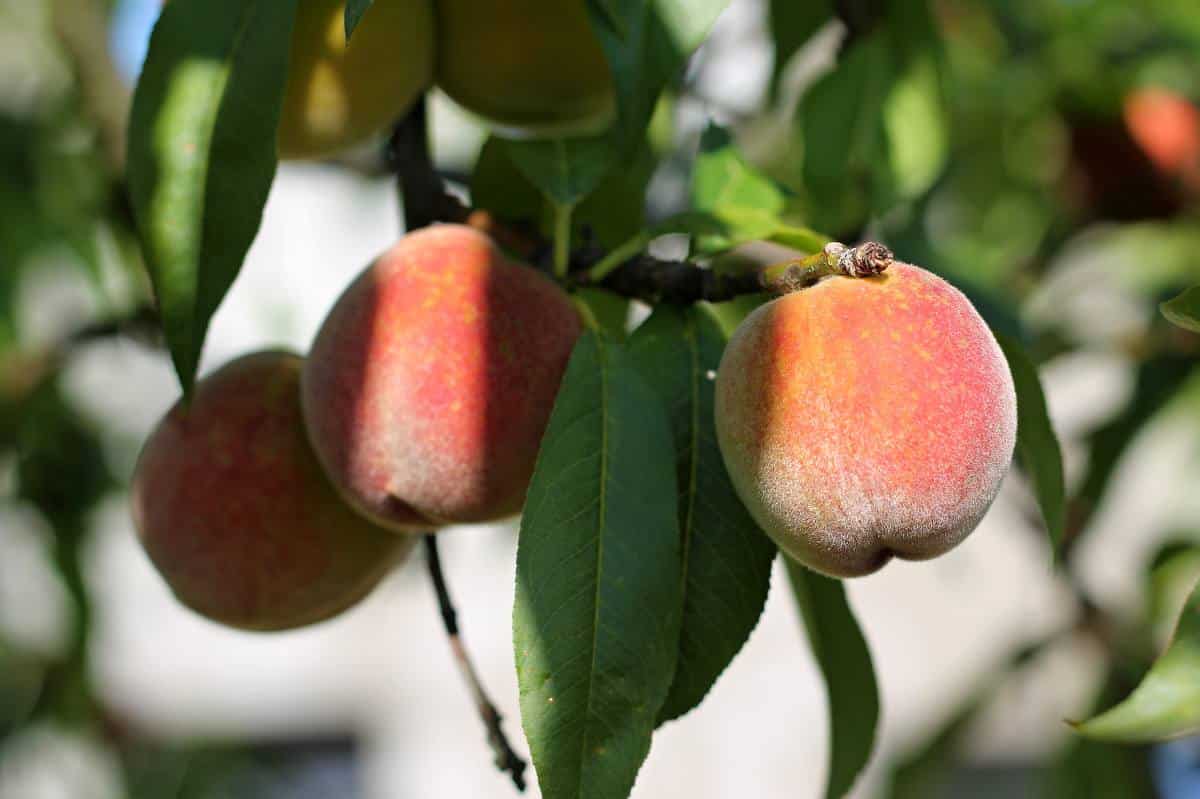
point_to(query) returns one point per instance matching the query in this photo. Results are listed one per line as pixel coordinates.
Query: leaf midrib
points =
(601, 520)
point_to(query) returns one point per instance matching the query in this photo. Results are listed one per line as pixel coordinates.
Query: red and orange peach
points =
(234, 511)
(865, 418)
(430, 383)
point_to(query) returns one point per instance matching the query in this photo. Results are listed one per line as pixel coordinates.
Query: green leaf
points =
(914, 118)
(1184, 310)
(613, 211)
(596, 615)
(355, 9)
(792, 24)
(735, 203)
(726, 557)
(1037, 445)
(604, 311)
(845, 661)
(646, 43)
(202, 153)
(1173, 571)
(565, 170)
(841, 119)
(499, 187)
(1167, 702)
(721, 178)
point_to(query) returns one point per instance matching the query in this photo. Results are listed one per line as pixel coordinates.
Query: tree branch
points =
(506, 759)
(426, 201)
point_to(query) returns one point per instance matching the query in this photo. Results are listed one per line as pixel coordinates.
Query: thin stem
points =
(562, 239)
(506, 759)
(609, 263)
(421, 190)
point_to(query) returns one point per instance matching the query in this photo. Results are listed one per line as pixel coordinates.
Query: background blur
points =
(1049, 163)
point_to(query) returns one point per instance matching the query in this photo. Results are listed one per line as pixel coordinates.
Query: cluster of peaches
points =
(859, 419)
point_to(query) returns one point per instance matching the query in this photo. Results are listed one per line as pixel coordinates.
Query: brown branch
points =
(506, 759)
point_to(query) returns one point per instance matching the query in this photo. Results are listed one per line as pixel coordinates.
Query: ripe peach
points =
(431, 381)
(234, 511)
(1167, 128)
(339, 95)
(862, 418)
(530, 64)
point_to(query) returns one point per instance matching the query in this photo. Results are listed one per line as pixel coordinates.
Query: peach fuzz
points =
(234, 511)
(430, 383)
(866, 418)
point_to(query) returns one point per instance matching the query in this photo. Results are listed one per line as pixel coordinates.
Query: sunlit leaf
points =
(202, 153)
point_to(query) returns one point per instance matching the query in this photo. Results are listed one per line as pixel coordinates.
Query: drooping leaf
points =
(355, 9)
(1167, 702)
(596, 614)
(1037, 445)
(845, 661)
(726, 557)
(1184, 310)
(793, 24)
(202, 153)
(646, 43)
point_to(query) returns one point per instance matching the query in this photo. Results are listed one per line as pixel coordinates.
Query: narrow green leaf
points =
(202, 153)
(1184, 310)
(726, 557)
(355, 9)
(1167, 702)
(1037, 445)
(596, 614)
(845, 661)
(647, 42)
(793, 24)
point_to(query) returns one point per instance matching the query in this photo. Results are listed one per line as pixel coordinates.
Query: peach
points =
(431, 381)
(534, 65)
(234, 510)
(340, 94)
(866, 418)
